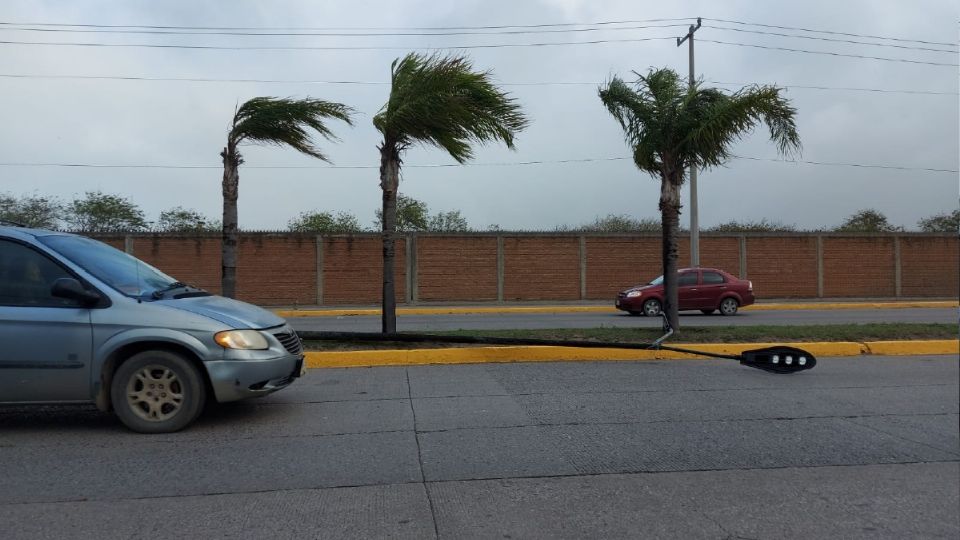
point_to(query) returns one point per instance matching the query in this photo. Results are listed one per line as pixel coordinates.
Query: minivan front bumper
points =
(233, 380)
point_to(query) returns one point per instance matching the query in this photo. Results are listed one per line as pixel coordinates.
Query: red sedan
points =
(706, 289)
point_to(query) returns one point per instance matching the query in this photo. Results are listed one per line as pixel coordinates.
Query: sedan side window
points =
(26, 277)
(712, 278)
(690, 278)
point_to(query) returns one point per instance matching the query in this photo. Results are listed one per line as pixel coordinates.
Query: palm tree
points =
(438, 101)
(670, 126)
(267, 120)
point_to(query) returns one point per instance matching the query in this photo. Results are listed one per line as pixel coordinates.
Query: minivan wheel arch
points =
(118, 357)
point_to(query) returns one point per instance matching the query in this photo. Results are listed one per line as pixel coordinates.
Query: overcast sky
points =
(121, 122)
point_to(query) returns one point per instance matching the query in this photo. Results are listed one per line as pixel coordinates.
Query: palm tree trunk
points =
(231, 184)
(670, 221)
(389, 181)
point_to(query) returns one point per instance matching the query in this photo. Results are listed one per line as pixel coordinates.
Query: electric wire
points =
(831, 32)
(832, 40)
(238, 33)
(341, 34)
(341, 28)
(325, 48)
(382, 83)
(828, 53)
(458, 165)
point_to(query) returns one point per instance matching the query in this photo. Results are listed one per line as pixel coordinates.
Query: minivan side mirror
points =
(71, 289)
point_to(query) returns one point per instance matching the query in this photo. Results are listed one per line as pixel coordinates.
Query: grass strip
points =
(717, 334)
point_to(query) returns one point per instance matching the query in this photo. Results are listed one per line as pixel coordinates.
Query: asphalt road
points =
(593, 320)
(856, 448)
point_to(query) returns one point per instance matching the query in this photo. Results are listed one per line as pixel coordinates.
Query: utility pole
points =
(694, 211)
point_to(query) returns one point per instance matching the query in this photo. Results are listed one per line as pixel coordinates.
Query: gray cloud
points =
(185, 123)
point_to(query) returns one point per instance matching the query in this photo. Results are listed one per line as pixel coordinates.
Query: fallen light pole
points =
(777, 359)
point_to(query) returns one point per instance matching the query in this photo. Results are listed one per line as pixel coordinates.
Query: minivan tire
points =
(157, 392)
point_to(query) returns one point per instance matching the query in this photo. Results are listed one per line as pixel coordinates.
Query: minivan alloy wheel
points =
(651, 308)
(155, 393)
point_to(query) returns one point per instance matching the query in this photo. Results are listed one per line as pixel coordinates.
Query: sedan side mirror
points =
(71, 289)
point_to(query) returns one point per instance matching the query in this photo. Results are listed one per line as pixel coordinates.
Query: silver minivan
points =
(83, 322)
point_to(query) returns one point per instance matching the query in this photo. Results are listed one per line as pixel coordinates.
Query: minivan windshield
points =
(123, 272)
(657, 281)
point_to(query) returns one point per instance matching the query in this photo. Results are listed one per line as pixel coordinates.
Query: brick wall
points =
(929, 266)
(616, 263)
(464, 268)
(282, 269)
(353, 270)
(194, 260)
(541, 268)
(782, 266)
(858, 267)
(277, 269)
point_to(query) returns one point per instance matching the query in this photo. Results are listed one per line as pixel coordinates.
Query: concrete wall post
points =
(413, 293)
(319, 241)
(819, 266)
(583, 267)
(500, 266)
(743, 256)
(897, 283)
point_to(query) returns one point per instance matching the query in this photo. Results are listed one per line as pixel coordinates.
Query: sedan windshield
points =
(117, 269)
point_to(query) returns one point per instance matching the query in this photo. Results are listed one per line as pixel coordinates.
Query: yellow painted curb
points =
(480, 355)
(853, 305)
(291, 313)
(899, 348)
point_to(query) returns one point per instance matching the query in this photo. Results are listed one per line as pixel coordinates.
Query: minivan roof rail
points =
(11, 223)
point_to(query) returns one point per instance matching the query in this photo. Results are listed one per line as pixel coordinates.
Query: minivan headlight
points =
(634, 294)
(241, 339)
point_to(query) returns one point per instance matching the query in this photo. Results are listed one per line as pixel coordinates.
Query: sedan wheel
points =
(157, 392)
(728, 306)
(651, 308)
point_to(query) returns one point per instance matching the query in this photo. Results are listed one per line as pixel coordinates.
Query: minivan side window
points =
(26, 277)
(712, 278)
(687, 279)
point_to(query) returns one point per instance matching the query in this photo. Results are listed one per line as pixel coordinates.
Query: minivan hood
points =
(230, 312)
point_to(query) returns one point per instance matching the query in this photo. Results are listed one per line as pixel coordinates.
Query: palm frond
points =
(285, 122)
(716, 120)
(441, 101)
(670, 126)
(636, 110)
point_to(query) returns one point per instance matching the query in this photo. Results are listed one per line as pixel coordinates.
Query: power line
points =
(336, 28)
(382, 83)
(840, 164)
(338, 34)
(328, 48)
(455, 47)
(847, 88)
(830, 53)
(457, 165)
(830, 32)
(496, 32)
(833, 40)
(456, 28)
